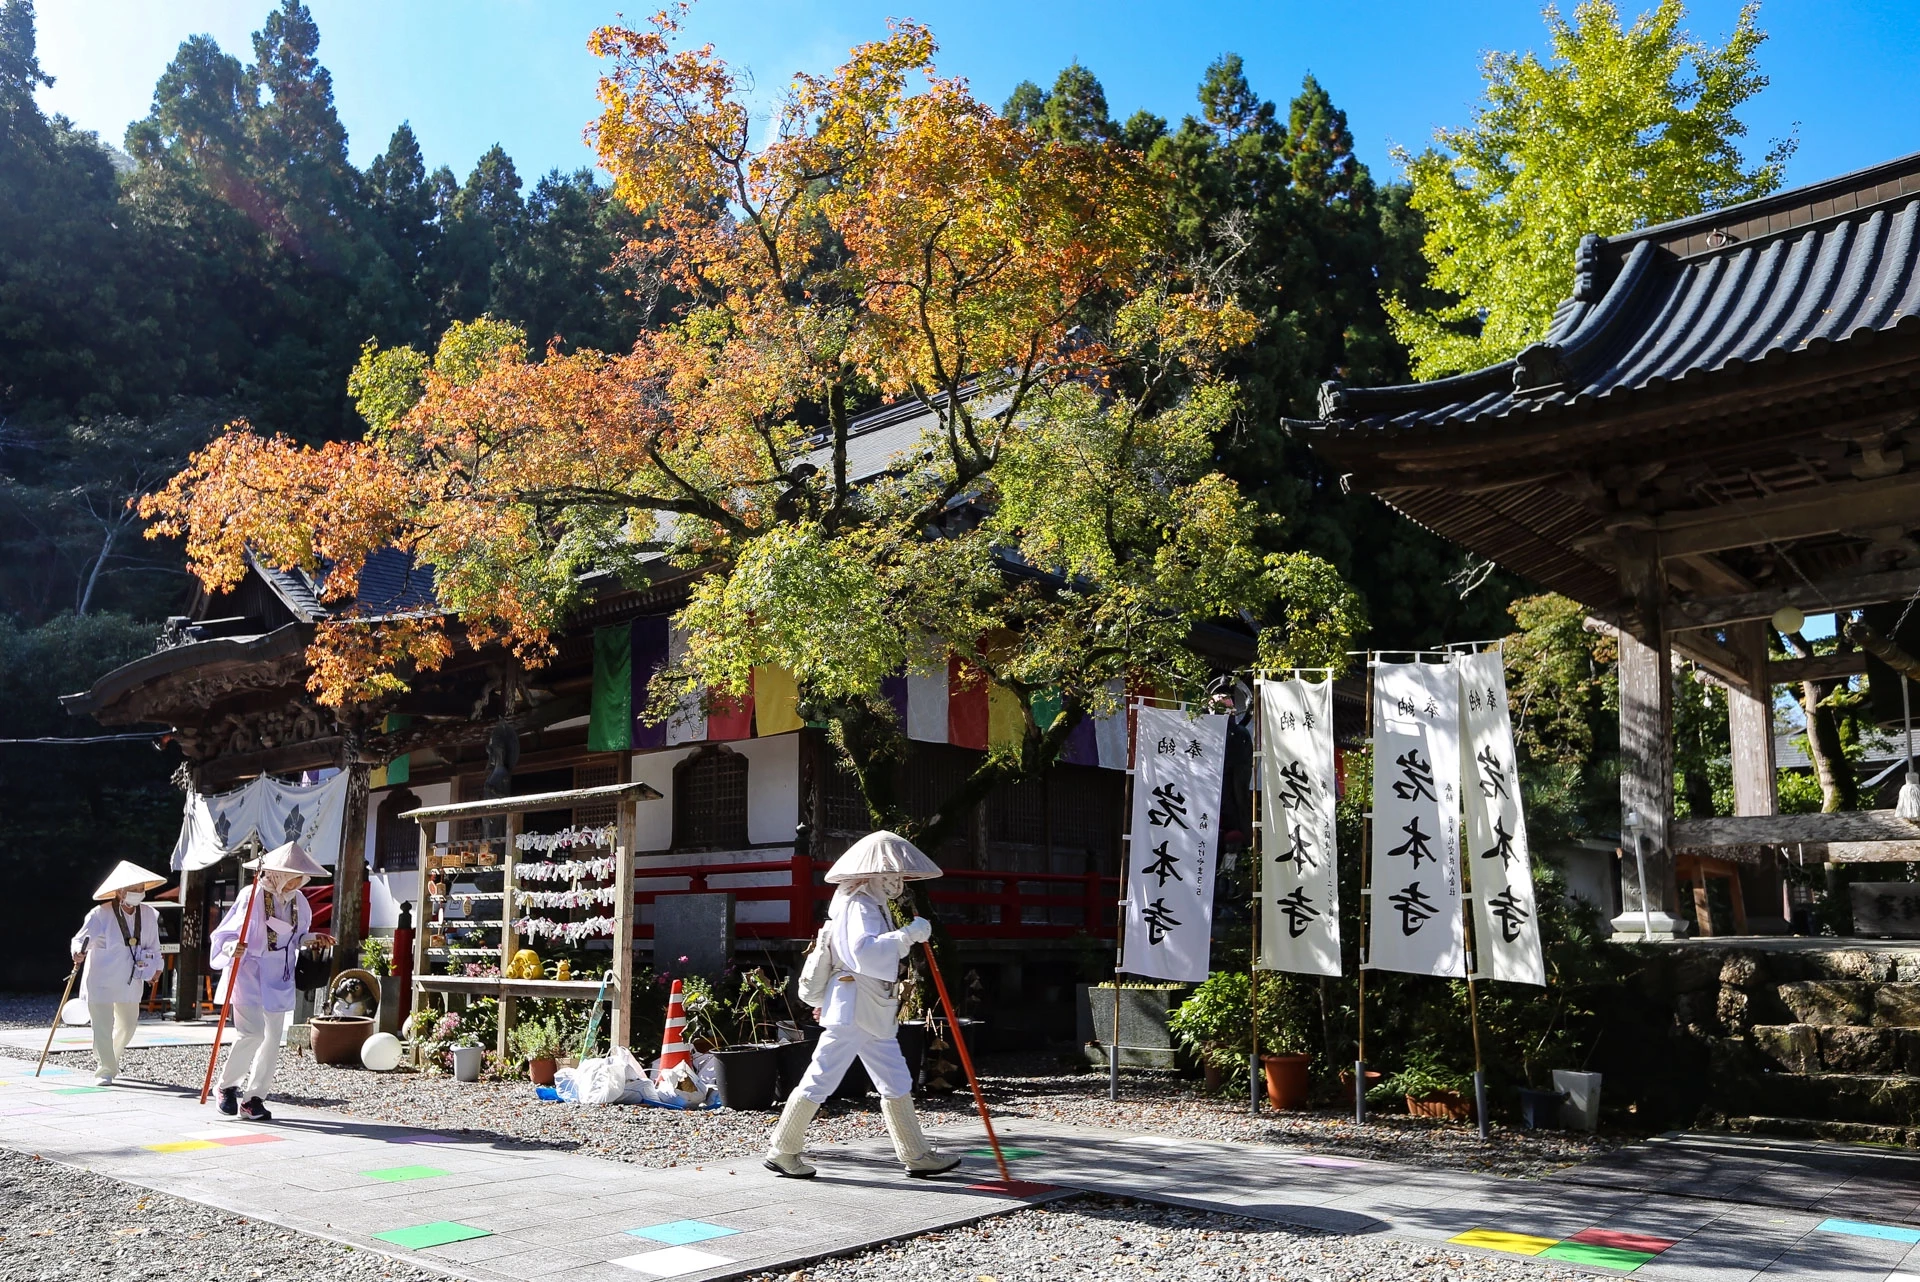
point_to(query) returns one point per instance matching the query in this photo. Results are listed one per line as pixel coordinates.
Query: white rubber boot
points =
(790, 1137)
(909, 1142)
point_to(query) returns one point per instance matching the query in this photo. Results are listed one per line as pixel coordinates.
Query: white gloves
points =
(917, 931)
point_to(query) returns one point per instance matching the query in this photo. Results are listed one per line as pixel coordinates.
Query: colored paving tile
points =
(397, 1174)
(1855, 1228)
(180, 1146)
(1009, 1153)
(225, 1137)
(683, 1232)
(82, 1090)
(419, 1237)
(1012, 1188)
(672, 1262)
(1623, 1240)
(1606, 1257)
(1498, 1240)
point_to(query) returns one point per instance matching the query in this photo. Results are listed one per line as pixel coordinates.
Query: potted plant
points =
(468, 1058)
(1215, 1025)
(1429, 1088)
(747, 1069)
(539, 1042)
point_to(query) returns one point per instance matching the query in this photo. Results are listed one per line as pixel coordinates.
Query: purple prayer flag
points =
(895, 690)
(1083, 745)
(649, 656)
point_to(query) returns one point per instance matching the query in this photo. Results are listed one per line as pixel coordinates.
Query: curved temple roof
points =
(1665, 316)
(1704, 372)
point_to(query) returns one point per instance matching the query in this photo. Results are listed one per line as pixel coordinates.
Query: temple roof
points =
(1689, 299)
(1716, 394)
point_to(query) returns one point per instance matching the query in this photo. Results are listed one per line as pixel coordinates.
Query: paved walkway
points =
(491, 1210)
(154, 1030)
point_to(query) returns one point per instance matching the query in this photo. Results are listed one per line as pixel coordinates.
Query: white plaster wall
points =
(387, 891)
(773, 790)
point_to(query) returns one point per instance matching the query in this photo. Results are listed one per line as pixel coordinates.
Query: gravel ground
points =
(1018, 1088)
(60, 1223)
(1106, 1238)
(27, 1010)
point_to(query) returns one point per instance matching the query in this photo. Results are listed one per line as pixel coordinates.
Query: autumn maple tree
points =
(1060, 524)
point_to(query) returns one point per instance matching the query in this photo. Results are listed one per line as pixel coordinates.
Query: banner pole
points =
(1366, 922)
(1120, 928)
(1473, 1007)
(1256, 852)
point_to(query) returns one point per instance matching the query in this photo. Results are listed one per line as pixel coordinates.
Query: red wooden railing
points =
(971, 903)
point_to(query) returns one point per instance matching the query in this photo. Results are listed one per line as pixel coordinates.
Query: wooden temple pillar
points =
(189, 964)
(1755, 773)
(1646, 789)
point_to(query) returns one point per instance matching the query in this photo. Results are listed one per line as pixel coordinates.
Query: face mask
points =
(133, 897)
(890, 884)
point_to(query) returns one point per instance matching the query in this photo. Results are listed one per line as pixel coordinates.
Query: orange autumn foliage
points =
(894, 236)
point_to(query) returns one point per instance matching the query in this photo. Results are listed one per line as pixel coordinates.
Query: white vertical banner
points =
(1299, 878)
(1414, 917)
(1178, 773)
(1506, 934)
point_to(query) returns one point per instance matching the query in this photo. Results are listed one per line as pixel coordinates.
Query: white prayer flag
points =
(217, 824)
(1506, 934)
(1414, 921)
(1299, 877)
(1178, 765)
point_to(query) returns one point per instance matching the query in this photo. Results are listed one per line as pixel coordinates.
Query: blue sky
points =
(468, 73)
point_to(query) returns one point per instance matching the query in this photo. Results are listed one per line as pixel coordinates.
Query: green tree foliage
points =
(1278, 211)
(69, 812)
(1622, 127)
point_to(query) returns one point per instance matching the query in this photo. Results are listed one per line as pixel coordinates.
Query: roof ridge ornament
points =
(1333, 400)
(1540, 369)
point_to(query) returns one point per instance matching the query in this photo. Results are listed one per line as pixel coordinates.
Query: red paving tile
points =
(1624, 1241)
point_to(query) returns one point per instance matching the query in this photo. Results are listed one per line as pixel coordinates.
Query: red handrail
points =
(968, 895)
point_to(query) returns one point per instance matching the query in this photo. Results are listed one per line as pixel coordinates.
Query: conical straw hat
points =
(128, 877)
(291, 857)
(882, 852)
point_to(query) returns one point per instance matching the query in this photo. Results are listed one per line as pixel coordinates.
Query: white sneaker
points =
(105, 1079)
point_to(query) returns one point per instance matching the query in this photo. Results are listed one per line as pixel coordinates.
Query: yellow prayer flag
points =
(776, 701)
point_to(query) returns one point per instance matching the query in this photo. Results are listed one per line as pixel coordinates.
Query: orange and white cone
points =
(675, 1070)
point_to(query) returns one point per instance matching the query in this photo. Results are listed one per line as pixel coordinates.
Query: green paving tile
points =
(81, 1090)
(1008, 1153)
(439, 1233)
(1605, 1257)
(395, 1174)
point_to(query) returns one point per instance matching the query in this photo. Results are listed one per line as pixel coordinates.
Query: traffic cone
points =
(675, 1070)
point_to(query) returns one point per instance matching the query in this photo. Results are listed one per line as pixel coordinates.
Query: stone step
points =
(1837, 1048)
(1880, 1099)
(1807, 1128)
(1856, 1002)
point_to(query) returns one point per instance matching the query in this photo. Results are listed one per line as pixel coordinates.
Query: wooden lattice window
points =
(710, 800)
(596, 814)
(396, 841)
(469, 788)
(846, 808)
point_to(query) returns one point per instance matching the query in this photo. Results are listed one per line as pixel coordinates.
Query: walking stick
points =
(239, 952)
(58, 1011)
(966, 1061)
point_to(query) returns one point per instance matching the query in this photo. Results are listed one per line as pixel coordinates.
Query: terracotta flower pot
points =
(1446, 1105)
(541, 1070)
(1286, 1080)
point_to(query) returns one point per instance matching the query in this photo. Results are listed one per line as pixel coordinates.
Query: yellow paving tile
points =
(1497, 1240)
(179, 1146)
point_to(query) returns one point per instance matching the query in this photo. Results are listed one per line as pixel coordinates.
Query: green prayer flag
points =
(610, 726)
(1046, 706)
(400, 769)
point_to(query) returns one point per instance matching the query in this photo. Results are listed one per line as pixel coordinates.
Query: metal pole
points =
(1366, 919)
(1256, 852)
(1479, 1072)
(1120, 933)
(1640, 862)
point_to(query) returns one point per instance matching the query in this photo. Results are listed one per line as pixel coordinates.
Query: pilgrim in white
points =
(261, 978)
(853, 979)
(120, 941)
